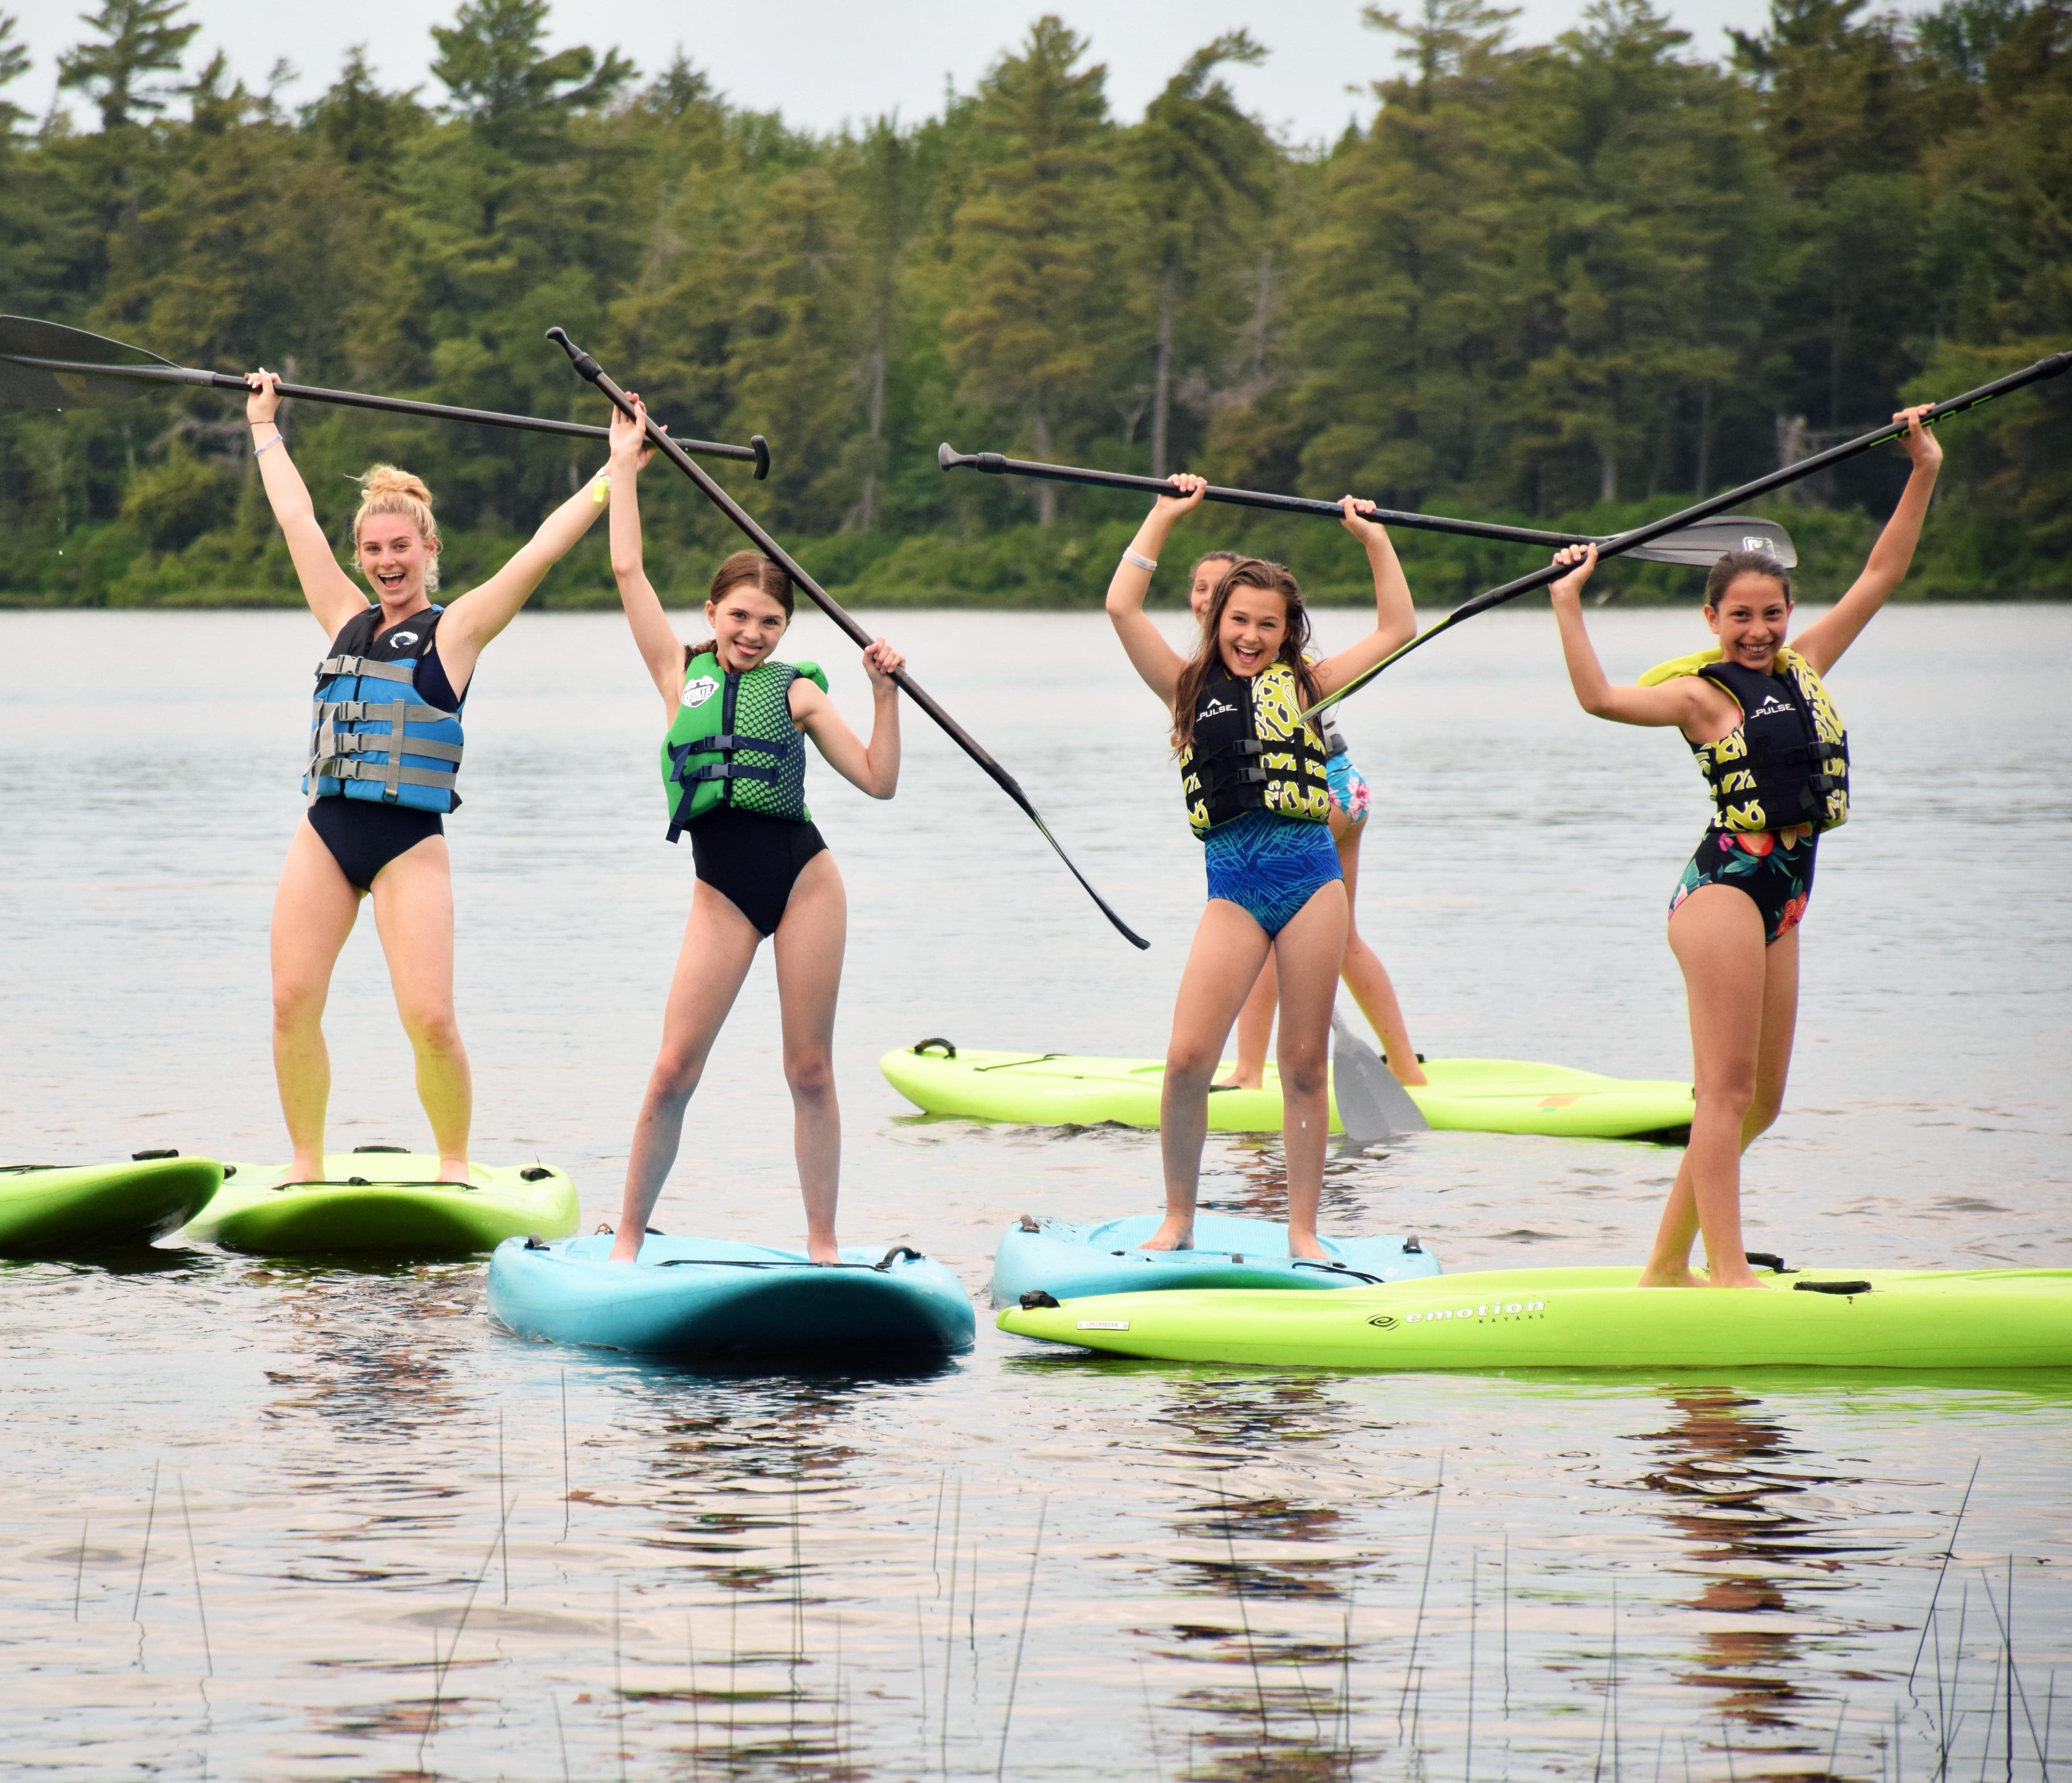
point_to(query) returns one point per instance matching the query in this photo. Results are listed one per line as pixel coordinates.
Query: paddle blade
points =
(1705, 543)
(1372, 1105)
(33, 387)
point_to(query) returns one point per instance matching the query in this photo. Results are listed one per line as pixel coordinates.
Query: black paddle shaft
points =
(588, 368)
(994, 465)
(757, 452)
(2043, 368)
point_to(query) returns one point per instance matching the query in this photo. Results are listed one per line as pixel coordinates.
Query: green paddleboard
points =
(50, 1207)
(1477, 1095)
(1593, 1318)
(382, 1199)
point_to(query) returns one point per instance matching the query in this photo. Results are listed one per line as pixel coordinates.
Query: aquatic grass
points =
(561, 1734)
(79, 1574)
(1022, 1639)
(1835, 1745)
(691, 1665)
(567, 1489)
(2014, 1683)
(1243, 1613)
(1935, 1595)
(1468, 1755)
(1417, 1627)
(617, 1681)
(503, 1513)
(441, 1667)
(194, 1558)
(949, 1626)
(144, 1553)
(1150, 1724)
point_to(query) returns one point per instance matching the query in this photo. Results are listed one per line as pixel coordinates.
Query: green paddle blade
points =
(39, 387)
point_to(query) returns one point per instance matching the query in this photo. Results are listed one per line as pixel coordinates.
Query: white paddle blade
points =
(1703, 544)
(1372, 1106)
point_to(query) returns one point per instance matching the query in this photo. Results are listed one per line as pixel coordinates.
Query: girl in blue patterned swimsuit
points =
(1257, 785)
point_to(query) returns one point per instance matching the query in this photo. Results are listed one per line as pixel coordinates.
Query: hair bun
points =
(388, 479)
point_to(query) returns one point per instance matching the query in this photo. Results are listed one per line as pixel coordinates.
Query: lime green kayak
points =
(1475, 1095)
(49, 1207)
(1592, 1318)
(378, 1198)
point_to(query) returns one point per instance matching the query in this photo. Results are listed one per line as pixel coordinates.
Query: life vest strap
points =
(341, 744)
(357, 711)
(369, 669)
(347, 770)
(728, 771)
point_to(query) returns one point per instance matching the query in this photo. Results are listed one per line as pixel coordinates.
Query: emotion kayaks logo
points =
(1481, 1312)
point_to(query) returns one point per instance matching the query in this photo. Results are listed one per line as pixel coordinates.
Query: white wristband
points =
(1147, 564)
(279, 438)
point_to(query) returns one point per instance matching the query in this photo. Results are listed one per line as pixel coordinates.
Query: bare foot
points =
(1306, 1246)
(1411, 1072)
(1741, 1277)
(454, 1170)
(1236, 1081)
(625, 1248)
(303, 1169)
(1671, 1278)
(1173, 1234)
(824, 1250)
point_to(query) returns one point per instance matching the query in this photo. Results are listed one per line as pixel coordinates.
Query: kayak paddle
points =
(47, 365)
(1703, 543)
(588, 368)
(1626, 544)
(1372, 1105)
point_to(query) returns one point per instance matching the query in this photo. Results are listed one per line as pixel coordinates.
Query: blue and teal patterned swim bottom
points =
(1269, 865)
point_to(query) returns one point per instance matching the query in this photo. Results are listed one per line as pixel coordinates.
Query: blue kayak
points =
(693, 1295)
(1056, 1258)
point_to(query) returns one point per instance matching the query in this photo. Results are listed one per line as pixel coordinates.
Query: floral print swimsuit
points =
(1774, 867)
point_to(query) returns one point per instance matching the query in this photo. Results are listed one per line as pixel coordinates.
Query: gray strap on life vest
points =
(408, 776)
(355, 711)
(370, 670)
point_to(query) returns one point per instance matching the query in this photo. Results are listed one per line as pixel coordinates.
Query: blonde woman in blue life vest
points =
(732, 765)
(1775, 757)
(373, 825)
(1257, 788)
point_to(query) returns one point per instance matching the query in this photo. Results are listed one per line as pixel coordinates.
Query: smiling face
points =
(746, 624)
(1251, 630)
(396, 559)
(1208, 573)
(1750, 621)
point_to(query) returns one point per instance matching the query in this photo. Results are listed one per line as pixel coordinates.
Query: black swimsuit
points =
(753, 861)
(363, 836)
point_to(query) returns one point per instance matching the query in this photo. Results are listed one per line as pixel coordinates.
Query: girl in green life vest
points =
(1256, 784)
(733, 767)
(1775, 758)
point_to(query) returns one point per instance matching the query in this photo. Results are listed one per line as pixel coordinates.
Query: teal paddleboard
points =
(50, 1207)
(380, 1198)
(718, 1296)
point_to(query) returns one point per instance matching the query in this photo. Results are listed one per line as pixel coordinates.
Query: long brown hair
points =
(1269, 578)
(749, 569)
(1735, 564)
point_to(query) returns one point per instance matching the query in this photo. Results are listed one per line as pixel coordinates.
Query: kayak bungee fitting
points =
(695, 1296)
(1593, 1318)
(380, 1197)
(1481, 1095)
(1065, 1260)
(47, 1207)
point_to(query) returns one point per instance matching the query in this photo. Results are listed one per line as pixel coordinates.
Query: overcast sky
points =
(820, 62)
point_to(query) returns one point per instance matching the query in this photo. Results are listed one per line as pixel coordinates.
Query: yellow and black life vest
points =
(1787, 762)
(1252, 752)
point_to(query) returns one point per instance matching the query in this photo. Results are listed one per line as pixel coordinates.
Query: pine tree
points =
(139, 39)
(516, 96)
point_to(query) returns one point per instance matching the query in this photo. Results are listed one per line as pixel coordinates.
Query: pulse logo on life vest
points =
(1215, 708)
(697, 692)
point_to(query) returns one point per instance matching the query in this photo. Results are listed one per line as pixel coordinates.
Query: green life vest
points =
(1786, 763)
(733, 742)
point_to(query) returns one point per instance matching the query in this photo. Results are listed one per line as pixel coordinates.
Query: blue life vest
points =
(363, 701)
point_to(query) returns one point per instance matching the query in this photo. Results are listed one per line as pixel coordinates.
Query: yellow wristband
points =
(600, 487)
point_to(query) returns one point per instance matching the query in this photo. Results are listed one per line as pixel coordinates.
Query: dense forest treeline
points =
(1566, 283)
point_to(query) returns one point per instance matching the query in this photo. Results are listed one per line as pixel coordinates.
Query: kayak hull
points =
(1068, 1261)
(387, 1202)
(712, 1296)
(1594, 1318)
(1481, 1095)
(46, 1208)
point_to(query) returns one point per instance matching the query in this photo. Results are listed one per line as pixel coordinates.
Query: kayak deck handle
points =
(1832, 1286)
(535, 1173)
(534, 1242)
(1411, 1247)
(358, 1149)
(920, 1047)
(896, 1253)
(1770, 1260)
(1340, 1268)
(145, 1157)
(1035, 1298)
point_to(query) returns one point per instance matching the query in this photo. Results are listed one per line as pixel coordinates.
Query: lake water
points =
(271, 1521)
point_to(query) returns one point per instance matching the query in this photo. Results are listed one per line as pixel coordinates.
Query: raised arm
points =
(1150, 655)
(1673, 703)
(1395, 620)
(1822, 643)
(875, 768)
(333, 596)
(477, 616)
(653, 636)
